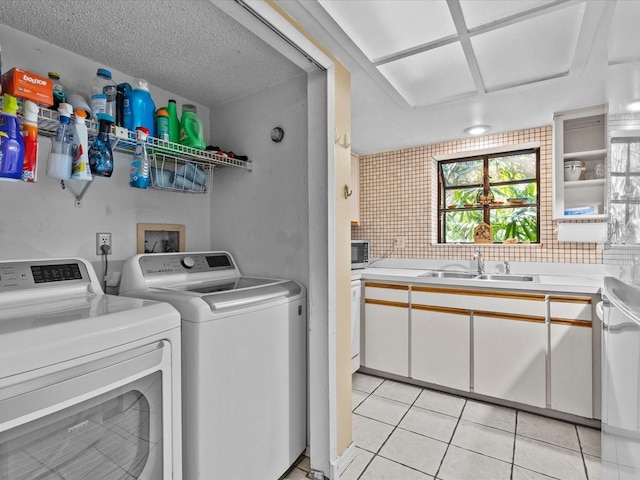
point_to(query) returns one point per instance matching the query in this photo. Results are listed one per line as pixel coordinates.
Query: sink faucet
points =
(507, 267)
(478, 257)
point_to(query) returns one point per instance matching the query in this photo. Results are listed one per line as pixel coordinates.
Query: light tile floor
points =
(404, 432)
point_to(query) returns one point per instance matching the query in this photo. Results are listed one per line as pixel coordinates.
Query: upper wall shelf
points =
(125, 141)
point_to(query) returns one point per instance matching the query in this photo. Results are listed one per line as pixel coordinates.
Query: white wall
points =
(261, 217)
(40, 220)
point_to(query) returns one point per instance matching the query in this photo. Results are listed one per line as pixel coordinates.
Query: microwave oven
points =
(359, 253)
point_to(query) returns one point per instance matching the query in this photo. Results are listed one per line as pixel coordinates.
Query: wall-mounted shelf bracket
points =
(78, 196)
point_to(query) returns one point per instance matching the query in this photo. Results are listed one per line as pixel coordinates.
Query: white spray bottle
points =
(80, 169)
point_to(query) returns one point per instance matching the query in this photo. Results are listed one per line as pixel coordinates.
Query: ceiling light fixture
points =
(634, 106)
(477, 129)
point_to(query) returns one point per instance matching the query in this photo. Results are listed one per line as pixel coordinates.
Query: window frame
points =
(442, 208)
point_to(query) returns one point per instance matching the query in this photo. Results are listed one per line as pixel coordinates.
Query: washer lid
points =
(236, 292)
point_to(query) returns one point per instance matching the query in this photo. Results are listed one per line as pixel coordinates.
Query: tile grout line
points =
(584, 461)
(452, 435)
(515, 439)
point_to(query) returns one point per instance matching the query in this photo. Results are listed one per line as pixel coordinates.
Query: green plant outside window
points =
(501, 190)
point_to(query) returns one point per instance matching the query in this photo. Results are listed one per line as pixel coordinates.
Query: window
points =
(500, 190)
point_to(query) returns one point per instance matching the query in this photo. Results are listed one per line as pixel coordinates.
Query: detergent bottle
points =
(191, 133)
(139, 109)
(80, 169)
(30, 138)
(11, 143)
(60, 158)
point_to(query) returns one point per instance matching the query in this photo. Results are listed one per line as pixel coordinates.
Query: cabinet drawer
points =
(387, 292)
(569, 308)
(481, 301)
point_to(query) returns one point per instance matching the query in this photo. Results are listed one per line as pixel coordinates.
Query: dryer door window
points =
(114, 434)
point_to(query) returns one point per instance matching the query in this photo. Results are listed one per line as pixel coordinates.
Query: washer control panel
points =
(26, 275)
(174, 263)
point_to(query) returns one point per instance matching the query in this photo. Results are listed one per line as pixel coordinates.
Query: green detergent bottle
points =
(191, 133)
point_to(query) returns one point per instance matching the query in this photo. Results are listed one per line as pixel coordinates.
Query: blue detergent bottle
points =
(11, 143)
(139, 109)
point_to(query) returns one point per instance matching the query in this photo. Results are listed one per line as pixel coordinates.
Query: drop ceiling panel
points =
(383, 27)
(432, 76)
(624, 37)
(530, 50)
(488, 11)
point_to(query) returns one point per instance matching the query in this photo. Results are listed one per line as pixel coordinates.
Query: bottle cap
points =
(105, 117)
(53, 75)
(143, 84)
(104, 72)
(142, 133)
(9, 104)
(31, 112)
(162, 112)
(80, 115)
(65, 110)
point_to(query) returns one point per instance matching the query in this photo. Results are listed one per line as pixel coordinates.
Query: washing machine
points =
(89, 382)
(244, 362)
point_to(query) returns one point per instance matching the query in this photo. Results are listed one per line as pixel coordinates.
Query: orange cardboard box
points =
(29, 86)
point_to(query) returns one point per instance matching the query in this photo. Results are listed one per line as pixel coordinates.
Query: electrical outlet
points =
(398, 243)
(103, 239)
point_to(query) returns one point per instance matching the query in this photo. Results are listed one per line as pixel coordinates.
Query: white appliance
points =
(620, 380)
(89, 383)
(244, 362)
(356, 296)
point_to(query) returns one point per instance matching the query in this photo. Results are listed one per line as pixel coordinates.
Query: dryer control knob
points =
(187, 262)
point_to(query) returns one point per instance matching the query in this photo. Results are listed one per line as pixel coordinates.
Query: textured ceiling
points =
(188, 47)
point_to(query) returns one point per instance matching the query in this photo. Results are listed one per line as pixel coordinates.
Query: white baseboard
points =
(340, 464)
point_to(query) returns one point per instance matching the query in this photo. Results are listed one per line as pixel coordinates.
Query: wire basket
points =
(173, 174)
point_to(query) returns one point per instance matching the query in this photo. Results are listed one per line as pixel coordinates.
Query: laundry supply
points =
(11, 143)
(80, 169)
(122, 91)
(103, 83)
(60, 158)
(191, 132)
(100, 153)
(28, 86)
(98, 104)
(139, 109)
(30, 138)
(174, 123)
(139, 177)
(59, 90)
(162, 124)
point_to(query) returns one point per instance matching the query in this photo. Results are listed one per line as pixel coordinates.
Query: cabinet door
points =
(386, 338)
(440, 346)
(571, 356)
(509, 359)
(355, 325)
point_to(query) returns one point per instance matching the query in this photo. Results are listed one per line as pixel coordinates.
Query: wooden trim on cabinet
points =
(386, 285)
(572, 323)
(509, 316)
(564, 299)
(480, 293)
(386, 303)
(453, 311)
(354, 224)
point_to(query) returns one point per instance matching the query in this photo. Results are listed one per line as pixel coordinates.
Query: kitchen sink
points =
(443, 274)
(506, 278)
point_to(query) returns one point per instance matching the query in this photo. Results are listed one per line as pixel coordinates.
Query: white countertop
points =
(580, 281)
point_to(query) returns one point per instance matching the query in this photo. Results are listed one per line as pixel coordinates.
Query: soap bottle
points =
(191, 132)
(162, 124)
(30, 138)
(11, 143)
(139, 109)
(100, 153)
(174, 123)
(60, 158)
(139, 177)
(80, 169)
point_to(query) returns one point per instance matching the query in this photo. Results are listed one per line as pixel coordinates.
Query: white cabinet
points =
(509, 359)
(440, 340)
(570, 355)
(580, 135)
(356, 297)
(354, 199)
(386, 328)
